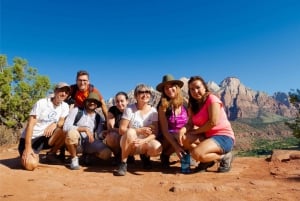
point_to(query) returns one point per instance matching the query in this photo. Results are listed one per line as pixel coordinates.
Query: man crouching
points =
(81, 127)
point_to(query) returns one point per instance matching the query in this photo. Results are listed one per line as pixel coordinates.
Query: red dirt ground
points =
(277, 178)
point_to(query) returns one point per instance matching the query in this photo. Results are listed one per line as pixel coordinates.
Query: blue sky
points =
(123, 42)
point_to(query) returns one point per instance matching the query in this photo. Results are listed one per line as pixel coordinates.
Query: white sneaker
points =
(75, 164)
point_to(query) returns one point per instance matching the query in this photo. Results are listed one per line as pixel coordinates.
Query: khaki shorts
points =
(72, 137)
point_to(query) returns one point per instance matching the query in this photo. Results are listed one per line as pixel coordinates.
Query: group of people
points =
(70, 119)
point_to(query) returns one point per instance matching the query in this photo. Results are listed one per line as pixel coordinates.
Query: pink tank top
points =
(175, 123)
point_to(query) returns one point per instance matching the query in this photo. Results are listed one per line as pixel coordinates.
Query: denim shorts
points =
(224, 142)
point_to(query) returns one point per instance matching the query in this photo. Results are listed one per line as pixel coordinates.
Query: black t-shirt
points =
(117, 114)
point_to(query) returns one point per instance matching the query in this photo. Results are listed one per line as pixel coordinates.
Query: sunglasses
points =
(91, 102)
(144, 92)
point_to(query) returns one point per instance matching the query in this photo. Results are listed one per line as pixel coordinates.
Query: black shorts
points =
(38, 144)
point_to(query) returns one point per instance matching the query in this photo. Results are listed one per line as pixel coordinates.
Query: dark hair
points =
(82, 72)
(122, 93)
(194, 104)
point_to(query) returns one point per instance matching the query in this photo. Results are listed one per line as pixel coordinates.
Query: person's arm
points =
(60, 122)
(69, 122)
(111, 121)
(123, 126)
(28, 136)
(104, 108)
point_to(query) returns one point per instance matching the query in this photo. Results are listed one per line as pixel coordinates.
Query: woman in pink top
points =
(208, 134)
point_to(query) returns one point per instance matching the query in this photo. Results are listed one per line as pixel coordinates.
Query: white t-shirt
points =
(136, 119)
(46, 114)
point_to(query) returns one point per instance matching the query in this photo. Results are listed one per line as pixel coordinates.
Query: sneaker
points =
(52, 158)
(130, 159)
(75, 164)
(122, 170)
(202, 167)
(165, 161)
(146, 162)
(225, 163)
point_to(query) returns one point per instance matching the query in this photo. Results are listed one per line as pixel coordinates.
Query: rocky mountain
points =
(240, 101)
(243, 102)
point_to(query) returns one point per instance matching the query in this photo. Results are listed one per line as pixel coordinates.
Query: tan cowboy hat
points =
(168, 79)
(95, 97)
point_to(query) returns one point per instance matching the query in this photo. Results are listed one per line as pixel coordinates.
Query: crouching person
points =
(44, 128)
(82, 126)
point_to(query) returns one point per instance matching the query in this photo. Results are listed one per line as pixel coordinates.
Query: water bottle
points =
(185, 163)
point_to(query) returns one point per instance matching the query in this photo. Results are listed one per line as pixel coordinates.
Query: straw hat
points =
(168, 79)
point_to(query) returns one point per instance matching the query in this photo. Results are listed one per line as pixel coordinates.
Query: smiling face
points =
(142, 93)
(170, 90)
(60, 95)
(197, 89)
(83, 82)
(91, 104)
(121, 102)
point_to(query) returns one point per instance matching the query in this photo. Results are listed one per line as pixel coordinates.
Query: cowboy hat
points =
(168, 79)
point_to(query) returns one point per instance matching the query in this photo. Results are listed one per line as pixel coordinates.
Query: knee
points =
(131, 134)
(198, 155)
(155, 149)
(72, 137)
(112, 139)
(104, 154)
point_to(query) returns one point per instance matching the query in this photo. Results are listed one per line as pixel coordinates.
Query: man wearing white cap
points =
(44, 127)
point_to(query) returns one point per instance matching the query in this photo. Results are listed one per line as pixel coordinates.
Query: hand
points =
(90, 136)
(137, 142)
(146, 131)
(181, 134)
(50, 129)
(179, 151)
(26, 154)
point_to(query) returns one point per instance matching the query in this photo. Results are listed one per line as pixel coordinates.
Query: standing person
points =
(44, 127)
(112, 136)
(172, 115)
(81, 90)
(209, 134)
(81, 132)
(138, 127)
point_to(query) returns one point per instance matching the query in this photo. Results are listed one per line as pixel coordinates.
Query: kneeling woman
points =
(208, 134)
(138, 127)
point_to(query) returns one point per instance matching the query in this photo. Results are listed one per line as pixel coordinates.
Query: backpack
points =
(99, 120)
(74, 88)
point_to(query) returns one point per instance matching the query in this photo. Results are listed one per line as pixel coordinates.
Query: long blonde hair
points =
(168, 104)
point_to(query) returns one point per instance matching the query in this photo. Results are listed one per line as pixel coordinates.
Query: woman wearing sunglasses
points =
(138, 128)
